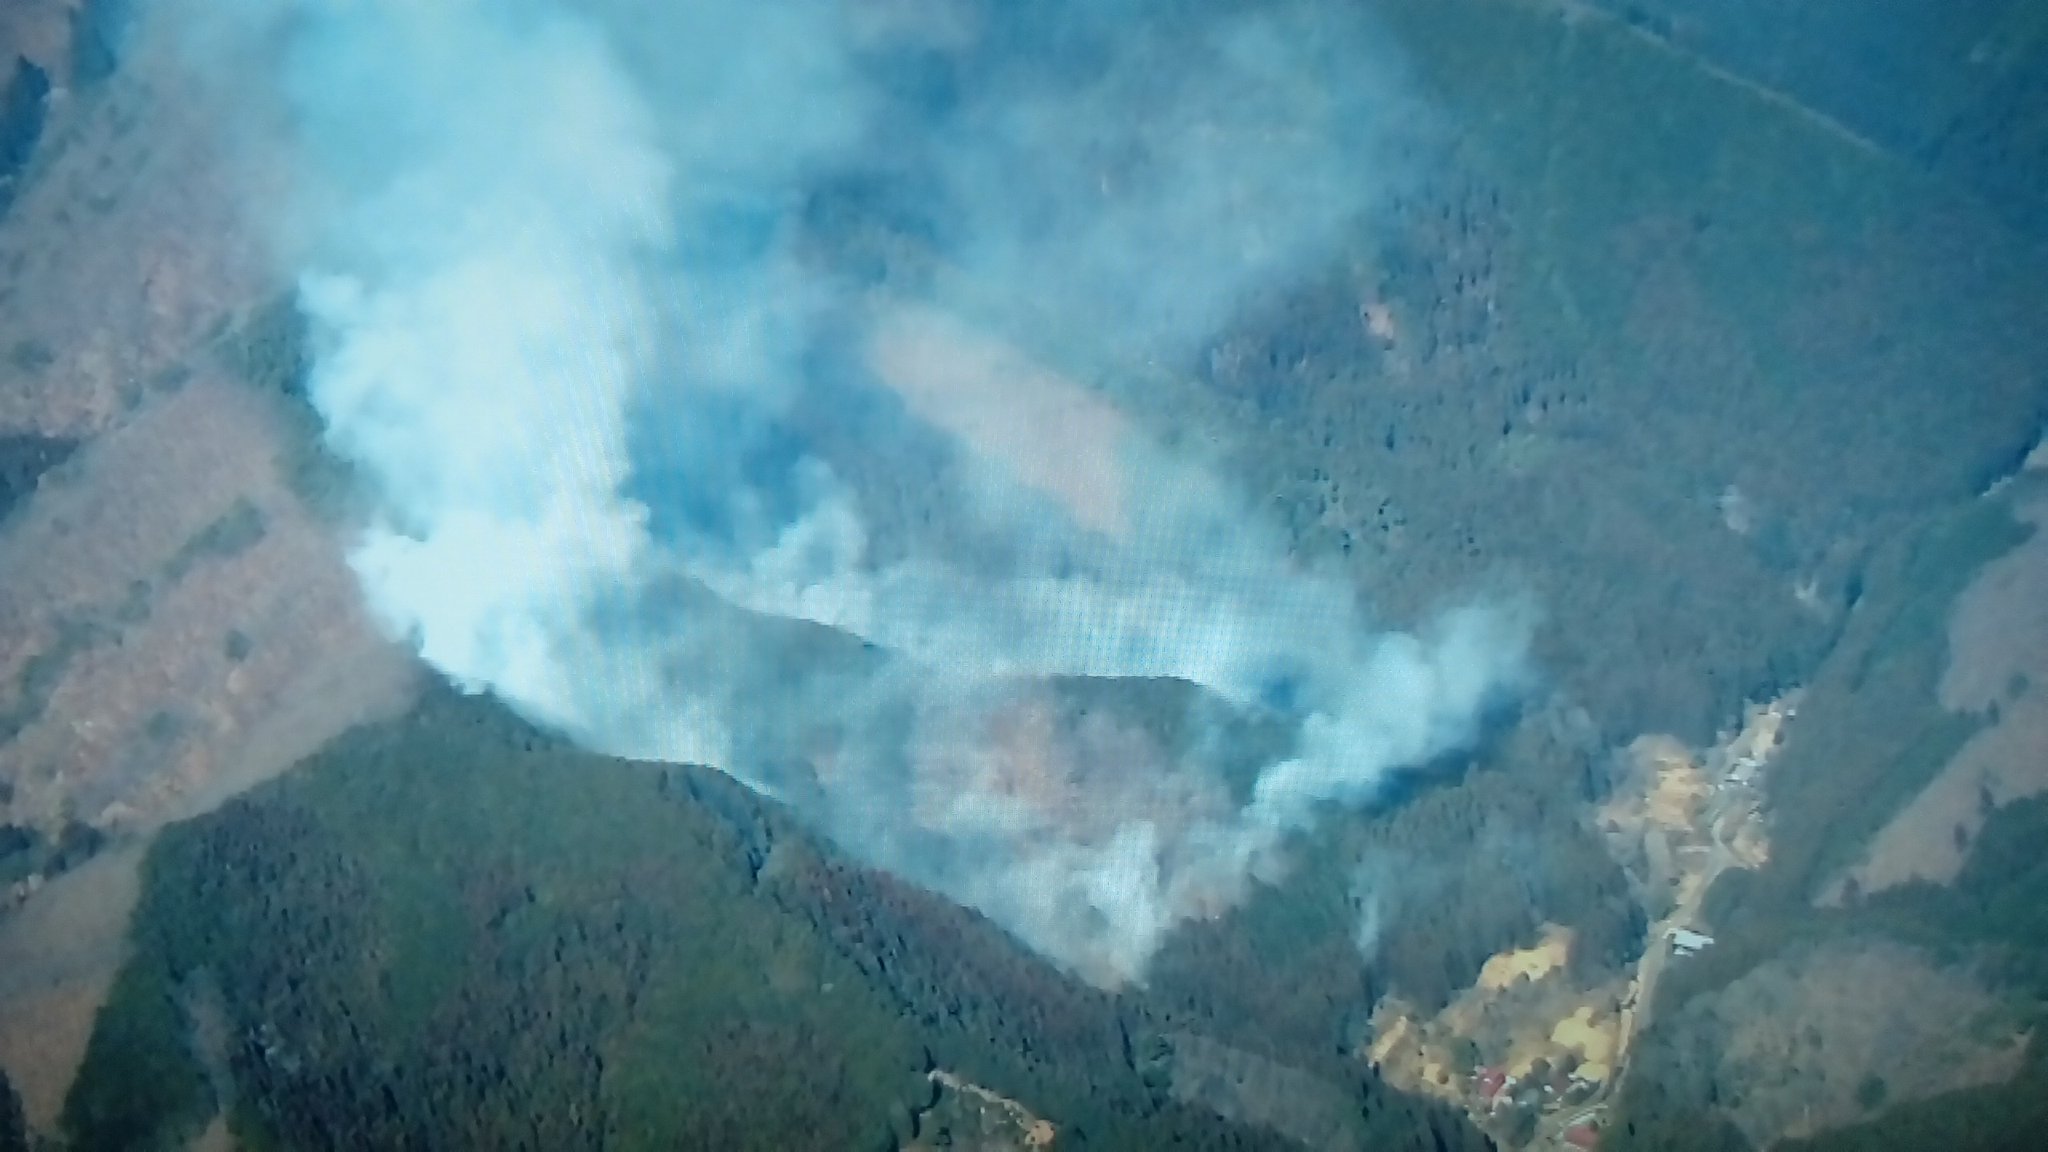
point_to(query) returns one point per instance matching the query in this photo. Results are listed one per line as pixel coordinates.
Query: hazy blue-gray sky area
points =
(723, 372)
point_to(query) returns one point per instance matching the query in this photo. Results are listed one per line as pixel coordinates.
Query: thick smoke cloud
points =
(682, 344)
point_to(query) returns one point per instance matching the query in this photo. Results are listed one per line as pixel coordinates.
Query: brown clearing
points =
(1998, 642)
(1050, 433)
(58, 956)
(156, 711)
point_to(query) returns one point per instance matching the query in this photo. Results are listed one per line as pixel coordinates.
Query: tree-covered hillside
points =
(451, 931)
(1952, 85)
(1870, 735)
(1636, 336)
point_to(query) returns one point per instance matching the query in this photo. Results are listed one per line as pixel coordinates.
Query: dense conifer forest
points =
(452, 931)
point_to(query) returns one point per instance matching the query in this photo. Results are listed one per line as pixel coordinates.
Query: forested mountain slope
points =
(1956, 86)
(1832, 1018)
(451, 931)
(1639, 337)
(1637, 331)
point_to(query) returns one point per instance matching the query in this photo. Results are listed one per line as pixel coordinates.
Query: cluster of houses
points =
(1751, 748)
(1499, 1091)
(1581, 1133)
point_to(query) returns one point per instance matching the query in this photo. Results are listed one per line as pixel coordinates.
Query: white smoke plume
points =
(681, 344)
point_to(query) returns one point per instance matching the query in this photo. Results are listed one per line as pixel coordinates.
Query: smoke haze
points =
(684, 348)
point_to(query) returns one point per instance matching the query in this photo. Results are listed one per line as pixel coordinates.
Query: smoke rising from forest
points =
(683, 346)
